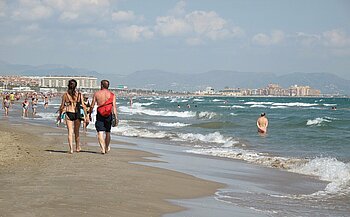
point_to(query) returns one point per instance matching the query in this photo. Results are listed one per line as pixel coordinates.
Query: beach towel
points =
(106, 109)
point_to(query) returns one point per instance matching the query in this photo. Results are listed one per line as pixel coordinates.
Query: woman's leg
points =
(70, 135)
(76, 133)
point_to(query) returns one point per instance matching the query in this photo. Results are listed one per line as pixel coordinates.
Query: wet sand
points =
(39, 178)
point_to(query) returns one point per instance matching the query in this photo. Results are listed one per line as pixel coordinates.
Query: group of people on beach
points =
(76, 108)
(8, 100)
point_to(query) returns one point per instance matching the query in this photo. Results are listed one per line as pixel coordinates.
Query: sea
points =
(305, 137)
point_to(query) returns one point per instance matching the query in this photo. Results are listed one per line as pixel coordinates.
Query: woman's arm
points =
(62, 105)
(84, 108)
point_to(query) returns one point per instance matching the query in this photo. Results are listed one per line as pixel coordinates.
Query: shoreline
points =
(40, 178)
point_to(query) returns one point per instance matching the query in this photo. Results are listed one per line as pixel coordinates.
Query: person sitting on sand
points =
(69, 106)
(262, 123)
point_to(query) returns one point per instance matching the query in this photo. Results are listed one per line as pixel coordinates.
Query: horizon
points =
(186, 37)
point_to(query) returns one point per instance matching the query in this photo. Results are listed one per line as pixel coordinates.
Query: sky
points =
(193, 36)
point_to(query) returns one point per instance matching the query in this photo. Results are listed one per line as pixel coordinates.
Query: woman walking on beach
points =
(69, 106)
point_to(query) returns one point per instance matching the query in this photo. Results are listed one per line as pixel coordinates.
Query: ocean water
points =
(305, 136)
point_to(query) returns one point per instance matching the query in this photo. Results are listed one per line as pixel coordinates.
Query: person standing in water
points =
(107, 108)
(46, 102)
(262, 123)
(25, 106)
(69, 106)
(6, 105)
(34, 105)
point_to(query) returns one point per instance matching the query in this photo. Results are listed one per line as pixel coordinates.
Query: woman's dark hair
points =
(72, 84)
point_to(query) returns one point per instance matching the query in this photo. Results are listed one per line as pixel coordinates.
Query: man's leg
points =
(108, 140)
(101, 141)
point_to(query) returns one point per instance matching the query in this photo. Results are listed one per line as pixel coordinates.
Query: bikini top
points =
(71, 101)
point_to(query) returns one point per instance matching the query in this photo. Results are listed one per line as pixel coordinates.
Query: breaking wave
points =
(319, 121)
(206, 115)
(177, 124)
(150, 112)
(337, 173)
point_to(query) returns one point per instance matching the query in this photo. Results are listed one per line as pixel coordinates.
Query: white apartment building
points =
(62, 81)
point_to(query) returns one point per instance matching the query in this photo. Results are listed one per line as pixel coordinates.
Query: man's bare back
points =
(102, 96)
(262, 123)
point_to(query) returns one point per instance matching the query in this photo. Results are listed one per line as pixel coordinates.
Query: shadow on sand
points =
(65, 152)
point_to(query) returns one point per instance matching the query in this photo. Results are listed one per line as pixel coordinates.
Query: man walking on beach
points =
(106, 111)
(262, 123)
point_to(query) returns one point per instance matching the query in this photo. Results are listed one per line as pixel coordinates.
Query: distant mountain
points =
(162, 80)
(326, 82)
(218, 79)
(43, 70)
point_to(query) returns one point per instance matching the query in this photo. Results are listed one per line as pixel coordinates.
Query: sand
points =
(39, 178)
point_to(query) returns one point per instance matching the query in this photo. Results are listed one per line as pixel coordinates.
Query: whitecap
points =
(259, 103)
(215, 137)
(318, 121)
(258, 106)
(166, 113)
(176, 124)
(206, 115)
(237, 106)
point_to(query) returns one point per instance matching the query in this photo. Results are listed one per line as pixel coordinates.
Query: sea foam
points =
(318, 121)
(150, 112)
(326, 169)
(176, 124)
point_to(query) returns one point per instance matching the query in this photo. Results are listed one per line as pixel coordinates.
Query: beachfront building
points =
(272, 90)
(62, 81)
(296, 90)
(18, 81)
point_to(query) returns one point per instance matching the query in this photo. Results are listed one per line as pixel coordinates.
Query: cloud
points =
(97, 33)
(121, 16)
(68, 16)
(307, 39)
(194, 41)
(31, 28)
(135, 33)
(197, 24)
(336, 38)
(31, 10)
(276, 37)
(78, 5)
(3, 7)
(171, 26)
(179, 9)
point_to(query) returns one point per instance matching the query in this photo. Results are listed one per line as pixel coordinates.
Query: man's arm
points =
(115, 106)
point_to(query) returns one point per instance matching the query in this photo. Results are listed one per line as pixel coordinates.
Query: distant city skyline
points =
(123, 36)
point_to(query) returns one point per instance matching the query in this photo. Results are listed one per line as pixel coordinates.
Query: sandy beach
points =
(39, 178)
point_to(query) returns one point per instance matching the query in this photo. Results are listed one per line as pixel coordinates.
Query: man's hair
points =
(262, 114)
(105, 84)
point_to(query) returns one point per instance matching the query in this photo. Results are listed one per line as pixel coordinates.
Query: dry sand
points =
(39, 178)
